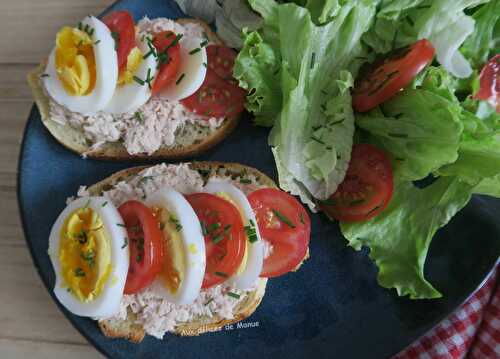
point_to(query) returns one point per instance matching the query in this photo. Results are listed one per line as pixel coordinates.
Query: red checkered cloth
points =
(472, 331)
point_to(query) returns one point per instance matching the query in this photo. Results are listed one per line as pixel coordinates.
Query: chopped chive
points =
(245, 180)
(149, 53)
(162, 226)
(121, 225)
(194, 51)
(139, 116)
(203, 228)
(180, 78)
(104, 204)
(96, 42)
(174, 42)
(80, 26)
(138, 258)
(221, 274)
(149, 78)
(217, 238)
(283, 219)
(317, 140)
(79, 272)
(138, 80)
(91, 32)
(213, 227)
(233, 295)
(204, 43)
(44, 75)
(125, 242)
(89, 257)
(251, 232)
(209, 301)
(302, 218)
(313, 59)
(116, 37)
(205, 64)
(175, 221)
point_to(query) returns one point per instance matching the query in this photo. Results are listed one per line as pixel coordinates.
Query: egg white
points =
(107, 302)
(129, 97)
(255, 256)
(192, 237)
(106, 73)
(193, 68)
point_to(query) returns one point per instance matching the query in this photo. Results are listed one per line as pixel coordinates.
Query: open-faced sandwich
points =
(113, 89)
(184, 248)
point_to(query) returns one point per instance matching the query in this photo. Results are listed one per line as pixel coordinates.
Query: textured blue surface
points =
(332, 307)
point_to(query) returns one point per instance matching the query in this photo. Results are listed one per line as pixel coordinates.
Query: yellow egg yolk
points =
(84, 254)
(134, 60)
(174, 259)
(75, 61)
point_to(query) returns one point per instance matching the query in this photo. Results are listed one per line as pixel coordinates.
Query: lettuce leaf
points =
(485, 40)
(400, 236)
(420, 128)
(298, 76)
(443, 22)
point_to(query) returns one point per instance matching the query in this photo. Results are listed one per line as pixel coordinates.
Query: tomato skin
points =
(145, 240)
(216, 98)
(221, 59)
(387, 76)
(225, 256)
(366, 189)
(489, 82)
(122, 24)
(290, 243)
(165, 42)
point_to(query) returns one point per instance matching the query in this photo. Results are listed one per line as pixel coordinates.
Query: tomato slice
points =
(121, 25)
(387, 76)
(169, 56)
(489, 82)
(145, 241)
(366, 189)
(221, 60)
(224, 236)
(216, 98)
(285, 224)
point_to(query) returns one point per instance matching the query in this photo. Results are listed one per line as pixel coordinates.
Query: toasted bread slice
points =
(192, 141)
(134, 332)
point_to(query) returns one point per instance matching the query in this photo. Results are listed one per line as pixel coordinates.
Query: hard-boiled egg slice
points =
(90, 256)
(251, 267)
(184, 260)
(130, 96)
(102, 57)
(192, 70)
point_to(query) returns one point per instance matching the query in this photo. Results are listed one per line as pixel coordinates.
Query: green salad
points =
(364, 98)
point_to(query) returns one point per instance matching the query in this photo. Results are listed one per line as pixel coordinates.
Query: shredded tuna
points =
(153, 311)
(162, 122)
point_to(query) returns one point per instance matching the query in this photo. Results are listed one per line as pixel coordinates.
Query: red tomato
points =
(221, 60)
(489, 81)
(387, 76)
(283, 222)
(224, 236)
(145, 241)
(366, 189)
(216, 97)
(169, 56)
(121, 25)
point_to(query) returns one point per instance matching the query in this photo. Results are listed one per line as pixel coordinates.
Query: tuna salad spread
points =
(157, 123)
(151, 309)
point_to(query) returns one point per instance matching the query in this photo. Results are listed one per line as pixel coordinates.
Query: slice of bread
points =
(134, 332)
(191, 141)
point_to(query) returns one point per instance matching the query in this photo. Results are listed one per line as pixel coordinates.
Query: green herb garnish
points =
(283, 219)
(194, 51)
(233, 295)
(251, 232)
(221, 274)
(180, 78)
(79, 272)
(138, 80)
(125, 242)
(139, 116)
(175, 222)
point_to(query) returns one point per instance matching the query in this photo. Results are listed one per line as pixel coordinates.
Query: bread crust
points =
(74, 140)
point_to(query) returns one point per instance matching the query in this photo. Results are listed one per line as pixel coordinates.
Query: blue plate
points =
(332, 307)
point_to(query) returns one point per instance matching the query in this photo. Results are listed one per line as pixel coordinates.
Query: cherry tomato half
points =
(387, 76)
(366, 189)
(145, 241)
(121, 25)
(285, 224)
(489, 82)
(224, 236)
(169, 57)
